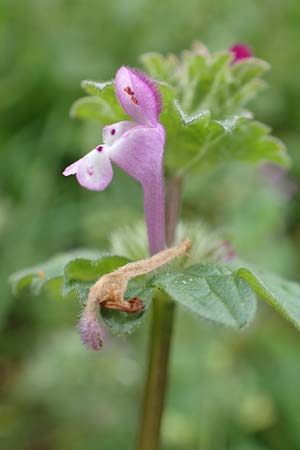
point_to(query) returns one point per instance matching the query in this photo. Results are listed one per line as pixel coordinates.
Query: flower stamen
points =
(128, 90)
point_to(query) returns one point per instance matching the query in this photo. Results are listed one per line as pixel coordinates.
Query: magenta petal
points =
(93, 171)
(139, 152)
(138, 95)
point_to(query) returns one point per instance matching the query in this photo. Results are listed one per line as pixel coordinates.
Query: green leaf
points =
(38, 276)
(211, 292)
(82, 290)
(78, 271)
(96, 109)
(249, 141)
(205, 120)
(206, 144)
(244, 94)
(205, 81)
(102, 106)
(208, 269)
(74, 270)
(248, 69)
(199, 143)
(203, 96)
(282, 295)
(188, 120)
(183, 134)
(103, 89)
(81, 273)
(212, 82)
(160, 67)
(121, 323)
(87, 269)
(208, 245)
(230, 124)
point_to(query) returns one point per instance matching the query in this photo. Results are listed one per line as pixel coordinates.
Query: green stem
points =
(157, 373)
(160, 342)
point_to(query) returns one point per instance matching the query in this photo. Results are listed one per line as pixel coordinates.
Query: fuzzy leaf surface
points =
(212, 292)
(81, 273)
(71, 269)
(282, 295)
(121, 323)
(206, 121)
(77, 271)
(204, 97)
(101, 105)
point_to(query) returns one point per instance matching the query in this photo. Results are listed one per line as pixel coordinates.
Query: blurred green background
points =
(233, 391)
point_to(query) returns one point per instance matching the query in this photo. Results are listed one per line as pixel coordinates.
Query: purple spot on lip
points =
(90, 171)
(113, 131)
(99, 148)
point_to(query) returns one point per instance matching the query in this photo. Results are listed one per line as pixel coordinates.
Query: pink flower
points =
(135, 146)
(240, 51)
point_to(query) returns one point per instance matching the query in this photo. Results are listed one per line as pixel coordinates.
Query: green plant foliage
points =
(211, 292)
(73, 269)
(208, 245)
(245, 387)
(215, 292)
(282, 295)
(38, 276)
(122, 324)
(207, 144)
(93, 108)
(208, 81)
(80, 273)
(204, 97)
(101, 105)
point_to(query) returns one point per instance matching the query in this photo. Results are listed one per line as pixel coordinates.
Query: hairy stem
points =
(157, 373)
(173, 204)
(154, 206)
(160, 342)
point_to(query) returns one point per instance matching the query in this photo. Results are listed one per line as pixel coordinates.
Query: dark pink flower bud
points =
(240, 51)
